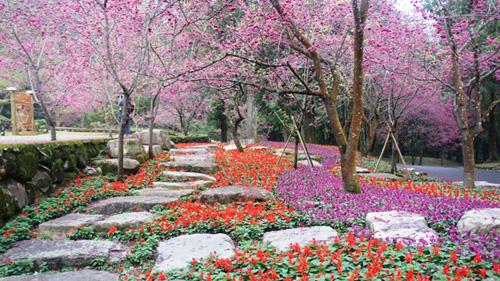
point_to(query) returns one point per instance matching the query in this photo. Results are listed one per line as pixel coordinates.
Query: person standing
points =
(128, 121)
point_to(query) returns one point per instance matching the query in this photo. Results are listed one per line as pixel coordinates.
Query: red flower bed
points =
(351, 259)
(249, 168)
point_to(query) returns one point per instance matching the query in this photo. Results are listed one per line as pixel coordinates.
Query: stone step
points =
(188, 175)
(398, 226)
(480, 220)
(128, 204)
(182, 184)
(228, 194)
(192, 158)
(124, 221)
(385, 176)
(306, 163)
(361, 170)
(201, 166)
(57, 228)
(165, 192)
(181, 151)
(209, 147)
(179, 252)
(282, 239)
(130, 166)
(82, 275)
(62, 253)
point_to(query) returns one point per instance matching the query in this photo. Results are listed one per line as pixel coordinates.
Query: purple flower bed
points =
(319, 194)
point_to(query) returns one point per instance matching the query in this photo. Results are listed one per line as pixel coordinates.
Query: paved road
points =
(44, 138)
(456, 174)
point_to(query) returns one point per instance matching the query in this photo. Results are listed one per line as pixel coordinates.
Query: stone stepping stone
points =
(83, 275)
(123, 204)
(228, 194)
(361, 170)
(385, 176)
(282, 239)
(57, 228)
(209, 147)
(62, 253)
(181, 151)
(124, 221)
(111, 165)
(480, 220)
(157, 150)
(165, 192)
(182, 184)
(306, 163)
(193, 158)
(201, 166)
(178, 252)
(188, 175)
(481, 184)
(233, 147)
(258, 147)
(399, 226)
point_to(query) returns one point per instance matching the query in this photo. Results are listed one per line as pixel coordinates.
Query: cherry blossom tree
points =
(472, 56)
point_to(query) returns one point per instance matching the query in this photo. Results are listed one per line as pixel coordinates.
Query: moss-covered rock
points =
(8, 206)
(39, 186)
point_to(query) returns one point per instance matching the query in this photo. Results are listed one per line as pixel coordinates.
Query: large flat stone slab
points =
(188, 175)
(83, 275)
(480, 220)
(361, 170)
(157, 150)
(165, 192)
(111, 165)
(385, 176)
(481, 184)
(199, 166)
(57, 228)
(209, 147)
(180, 151)
(179, 252)
(398, 226)
(306, 163)
(182, 184)
(193, 158)
(127, 204)
(228, 194)
(282, 239)
(132, 148)
(125, 221)
(61, 253)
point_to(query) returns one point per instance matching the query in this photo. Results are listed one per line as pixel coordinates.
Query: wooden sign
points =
(22, 110)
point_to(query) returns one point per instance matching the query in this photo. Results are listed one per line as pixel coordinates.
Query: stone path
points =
(385, 176)
(228, 194)
(83, 275)
(123, 204)
(480, 220)
(57, 228)
(178, 252)
(408, 228)
(61, 253)
(283, 239)
(193, 169)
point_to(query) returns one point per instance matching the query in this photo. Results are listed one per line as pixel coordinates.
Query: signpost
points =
(22, 110)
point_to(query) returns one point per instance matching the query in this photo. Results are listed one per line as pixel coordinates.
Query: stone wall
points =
(31, 171)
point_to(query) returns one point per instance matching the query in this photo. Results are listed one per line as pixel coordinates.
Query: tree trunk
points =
(121, 134)
(421, 154)
(296, 153)
(492, 136)
(236, 138)
(153, 111)
(372, 135)
(48, 117)
(223, 128)
(394, 158)
(351, 183)
(469, 162)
